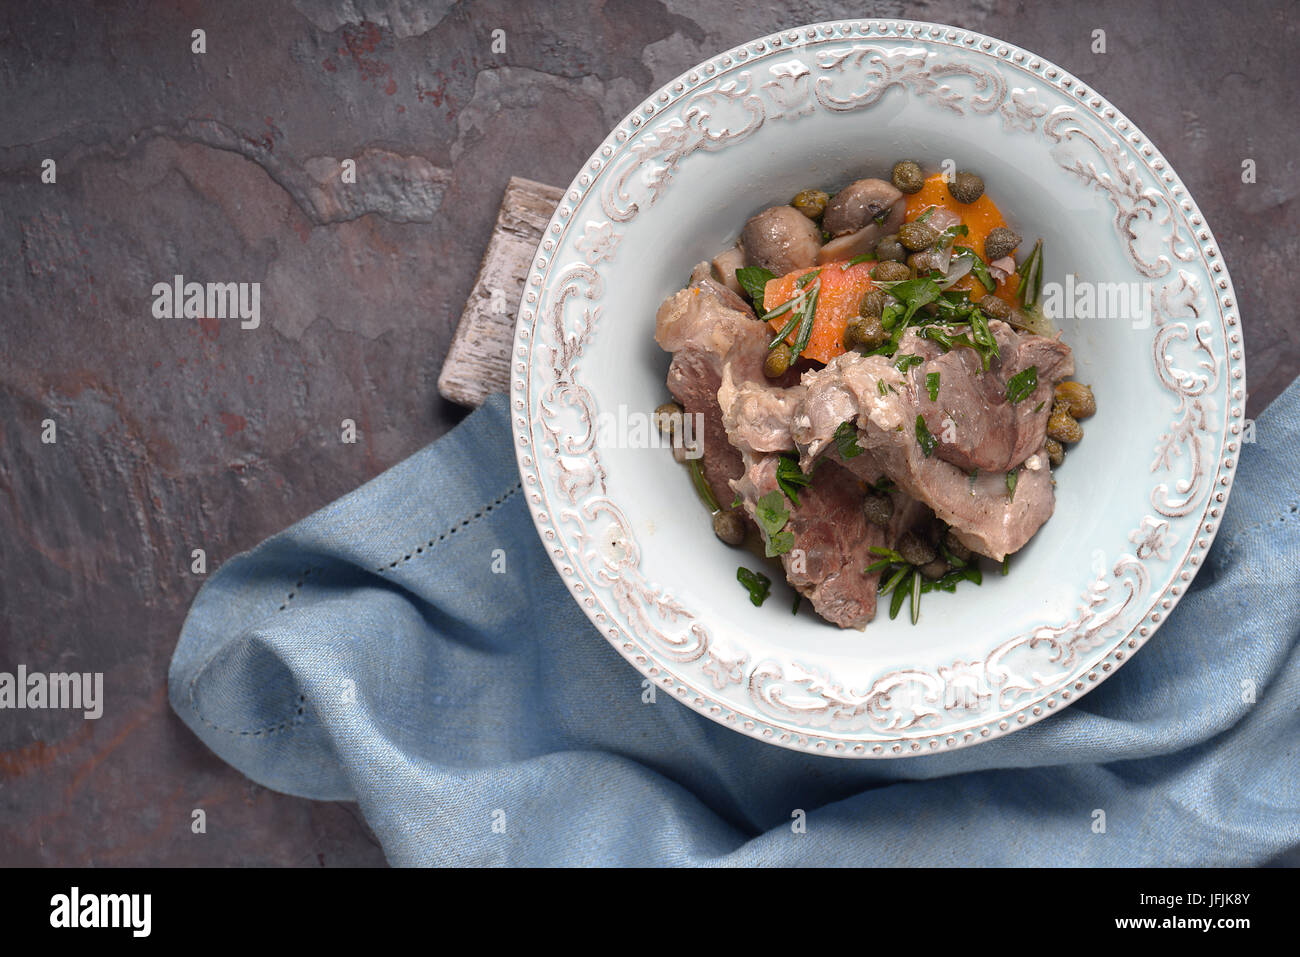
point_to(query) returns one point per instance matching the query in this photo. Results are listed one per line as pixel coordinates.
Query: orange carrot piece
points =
(841, 293)
(981, 218)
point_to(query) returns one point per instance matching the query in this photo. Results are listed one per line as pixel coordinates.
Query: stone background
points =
(181, 434)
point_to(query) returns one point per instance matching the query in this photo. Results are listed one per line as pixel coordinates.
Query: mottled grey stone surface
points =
(180, 434)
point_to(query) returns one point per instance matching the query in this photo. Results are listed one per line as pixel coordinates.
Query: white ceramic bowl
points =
(1138, 501)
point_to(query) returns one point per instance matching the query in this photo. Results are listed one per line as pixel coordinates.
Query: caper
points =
(890, 248)
(891, 271)
(966, 187)
(907, 177)
(729, 526)
(955, 547)
(668, 417)
(994, 308)
(872, 303)
(1061, 425)
(935, 569)
(1000, 242)
(916, 550)
(878, 508)
(777, 361)
(811, 202)
(1055, 453)
(864, 332)
(916, 236)
(923, 262)
(1078, 399)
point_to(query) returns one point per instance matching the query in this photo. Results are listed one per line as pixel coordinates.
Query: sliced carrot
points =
(981, 218)
(837, 302)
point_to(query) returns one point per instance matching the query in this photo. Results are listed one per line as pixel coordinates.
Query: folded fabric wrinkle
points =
(410, 647)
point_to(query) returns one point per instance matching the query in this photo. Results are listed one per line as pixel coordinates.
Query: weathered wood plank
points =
(478, 362)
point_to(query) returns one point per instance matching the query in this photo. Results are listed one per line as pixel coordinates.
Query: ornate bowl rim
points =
(1003, 59)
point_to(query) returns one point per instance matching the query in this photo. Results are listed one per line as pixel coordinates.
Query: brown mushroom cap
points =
(864, 240)
(781, 239)
(858, 205)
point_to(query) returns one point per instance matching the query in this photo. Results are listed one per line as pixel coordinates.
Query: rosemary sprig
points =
(702, 486)
(1031, 276)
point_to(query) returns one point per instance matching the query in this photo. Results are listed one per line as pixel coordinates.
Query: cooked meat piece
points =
(979, 510)
(975, 424)
(702, 325)
(757, 415)
(832, 540)
(718, 351)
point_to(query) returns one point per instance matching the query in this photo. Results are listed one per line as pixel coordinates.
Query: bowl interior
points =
(1101, 486)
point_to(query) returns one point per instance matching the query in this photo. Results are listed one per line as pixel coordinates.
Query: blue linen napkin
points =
(370, 652)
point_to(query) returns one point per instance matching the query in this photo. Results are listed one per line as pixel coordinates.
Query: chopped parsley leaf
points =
(1022, 385)
(772, 518)
(753, 279)
(790, 477)
(924, 438)
(846, 440)
(757, 584)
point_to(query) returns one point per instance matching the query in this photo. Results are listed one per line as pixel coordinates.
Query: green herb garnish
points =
(917, 583)
(985, 344)
(846, 440)
(923, 437)
(1022, 385)
(754, 279)
(977, 268)
(795, 609)
(1031, 276)
(805, 327)
(790, 477)
(1012, 479)
(893, 581)
(887, 553)
(772, 518)
(913, 293)
(901, 591)
(906, 581)
(948, 581)
(757, 584)
(702, 486)
(926, 215)
(891, 314)
(905, 361)
(932, 385)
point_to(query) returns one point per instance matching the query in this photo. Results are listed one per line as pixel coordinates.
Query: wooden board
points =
(478, 362)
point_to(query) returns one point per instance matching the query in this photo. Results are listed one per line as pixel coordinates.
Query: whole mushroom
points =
(858, 216)
(780, 239)
(859, 204)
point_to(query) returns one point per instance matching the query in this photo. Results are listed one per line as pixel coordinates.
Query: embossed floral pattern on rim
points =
(1153, 535)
